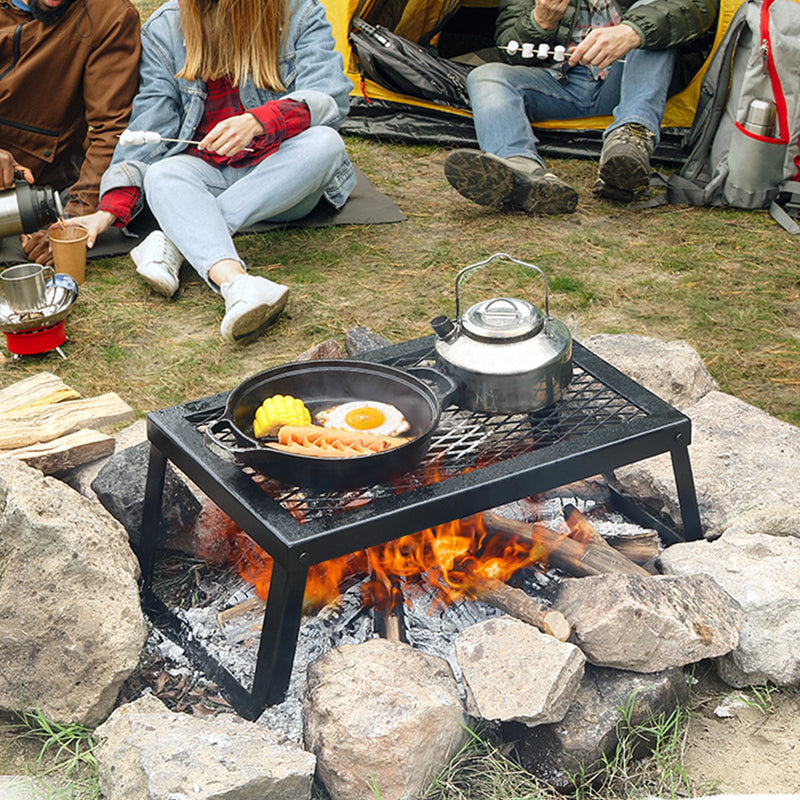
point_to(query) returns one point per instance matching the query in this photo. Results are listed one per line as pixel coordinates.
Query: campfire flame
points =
(451, 559)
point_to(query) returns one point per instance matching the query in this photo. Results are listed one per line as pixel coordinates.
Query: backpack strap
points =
(786, 206)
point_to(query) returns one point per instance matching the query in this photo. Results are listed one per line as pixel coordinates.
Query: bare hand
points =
(37, 247)
(232, 135)
(603, 46)
(96, 223)
(7, 167)
(547, 13)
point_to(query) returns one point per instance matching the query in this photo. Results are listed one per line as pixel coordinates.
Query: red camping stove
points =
(41, 330)
(38, 340)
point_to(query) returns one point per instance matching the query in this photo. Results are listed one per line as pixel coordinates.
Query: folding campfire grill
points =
(476, 461)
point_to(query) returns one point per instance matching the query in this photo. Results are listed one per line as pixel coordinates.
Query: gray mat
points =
(365, 206)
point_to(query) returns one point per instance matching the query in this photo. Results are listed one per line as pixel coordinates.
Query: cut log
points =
(582, 530)
(519, 604)
(45, 423)
(65, 452)
(641, 548)
(563, 552)
(41, 389)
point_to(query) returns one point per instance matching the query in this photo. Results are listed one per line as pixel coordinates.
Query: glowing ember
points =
(452, 558)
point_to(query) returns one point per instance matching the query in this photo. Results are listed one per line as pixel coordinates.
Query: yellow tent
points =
(382, 113)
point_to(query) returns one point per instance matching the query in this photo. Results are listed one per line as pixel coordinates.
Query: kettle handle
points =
(462, 274)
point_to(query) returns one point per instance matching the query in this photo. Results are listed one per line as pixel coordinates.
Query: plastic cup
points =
(69, 250)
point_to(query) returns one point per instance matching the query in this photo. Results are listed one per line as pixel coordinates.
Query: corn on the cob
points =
(277, 411)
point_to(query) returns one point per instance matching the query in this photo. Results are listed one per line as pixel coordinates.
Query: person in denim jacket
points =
(255, 115)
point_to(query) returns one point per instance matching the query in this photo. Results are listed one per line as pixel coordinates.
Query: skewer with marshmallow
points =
(541, 51)
(129, 137)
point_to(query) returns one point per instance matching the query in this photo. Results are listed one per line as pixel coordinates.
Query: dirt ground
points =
(736, 748)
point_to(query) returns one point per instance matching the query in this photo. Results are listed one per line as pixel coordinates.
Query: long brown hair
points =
(234, 38)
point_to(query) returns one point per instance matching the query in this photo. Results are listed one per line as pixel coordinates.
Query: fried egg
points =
(365, 416)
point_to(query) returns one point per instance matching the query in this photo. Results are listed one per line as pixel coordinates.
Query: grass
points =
(64, 767)
(725, 281)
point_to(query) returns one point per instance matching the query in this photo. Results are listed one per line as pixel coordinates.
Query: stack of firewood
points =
(47, 424)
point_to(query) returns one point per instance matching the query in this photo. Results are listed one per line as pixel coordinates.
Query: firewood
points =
(641, 548)
(582, 530)
(65, 452)
(44, 388)
(518, 604)
(45, 423)
(563, 552)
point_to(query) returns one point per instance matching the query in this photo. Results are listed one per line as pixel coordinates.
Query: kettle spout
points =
(444, 327)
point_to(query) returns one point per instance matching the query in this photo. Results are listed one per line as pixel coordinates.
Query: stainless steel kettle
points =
(505, 355)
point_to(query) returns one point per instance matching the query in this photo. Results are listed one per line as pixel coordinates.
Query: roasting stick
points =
(128, 137)
(541, 51)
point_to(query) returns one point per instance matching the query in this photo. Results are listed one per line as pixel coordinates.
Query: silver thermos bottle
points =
(25, 208)
(760, 117)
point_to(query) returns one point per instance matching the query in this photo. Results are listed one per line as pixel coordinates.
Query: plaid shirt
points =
(281, 119)
(594, 14)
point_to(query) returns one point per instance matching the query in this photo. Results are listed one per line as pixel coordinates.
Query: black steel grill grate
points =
(466, 440)
(475, 461)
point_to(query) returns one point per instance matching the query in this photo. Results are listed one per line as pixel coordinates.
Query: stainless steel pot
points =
(504, 354)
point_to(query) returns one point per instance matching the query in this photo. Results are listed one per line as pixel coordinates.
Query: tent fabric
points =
(380, 113)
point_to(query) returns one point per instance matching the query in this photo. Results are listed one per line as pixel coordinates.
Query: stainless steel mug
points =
(25, 286)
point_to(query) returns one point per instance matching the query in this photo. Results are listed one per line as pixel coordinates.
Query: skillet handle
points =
(443, 385)
(219, 428)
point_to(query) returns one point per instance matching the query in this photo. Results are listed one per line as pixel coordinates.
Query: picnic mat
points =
(365, 206)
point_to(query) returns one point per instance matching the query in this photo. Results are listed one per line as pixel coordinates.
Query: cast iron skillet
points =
(325, 383)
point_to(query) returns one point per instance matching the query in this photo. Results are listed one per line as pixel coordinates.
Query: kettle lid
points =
(502, 319)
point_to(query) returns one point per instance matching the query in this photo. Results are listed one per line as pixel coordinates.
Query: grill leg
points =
(151, 514)
(687, 497)
(278, 636)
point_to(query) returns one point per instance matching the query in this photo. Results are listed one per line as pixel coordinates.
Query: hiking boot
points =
(158, 261)
(517, 182)
(624, 172)
(251, 304)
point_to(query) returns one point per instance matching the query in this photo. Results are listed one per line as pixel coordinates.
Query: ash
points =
(229, 626)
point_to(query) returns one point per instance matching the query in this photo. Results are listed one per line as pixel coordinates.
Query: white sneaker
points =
(251, 303)
(158, 261)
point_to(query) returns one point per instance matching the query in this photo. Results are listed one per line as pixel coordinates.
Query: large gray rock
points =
(762, 572)
(120, 486)
(738, 453)
(381, 714)
(671, 370)
(147, 752)
(607, 701)
(72, 629)
(513, 672)
(649, 624)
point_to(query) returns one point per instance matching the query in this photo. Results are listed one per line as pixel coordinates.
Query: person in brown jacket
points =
(68, 75)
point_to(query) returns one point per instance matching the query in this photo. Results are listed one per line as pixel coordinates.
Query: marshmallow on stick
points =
(129, 137)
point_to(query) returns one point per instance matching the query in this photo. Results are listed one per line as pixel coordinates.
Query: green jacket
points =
(660, 23)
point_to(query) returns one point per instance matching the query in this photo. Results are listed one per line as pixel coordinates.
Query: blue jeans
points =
(200, 206)
(505, 99)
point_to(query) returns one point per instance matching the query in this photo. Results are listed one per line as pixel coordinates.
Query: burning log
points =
(569, 555)
(518, 604)
(582, 530)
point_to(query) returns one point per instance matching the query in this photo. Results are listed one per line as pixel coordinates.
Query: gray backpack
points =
(745, 141)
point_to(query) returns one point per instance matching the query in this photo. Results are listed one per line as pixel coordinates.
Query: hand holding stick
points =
(128, 137)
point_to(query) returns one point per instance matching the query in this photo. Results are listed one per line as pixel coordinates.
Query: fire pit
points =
(476, 461)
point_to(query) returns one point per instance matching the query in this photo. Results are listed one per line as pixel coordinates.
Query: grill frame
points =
(648, 427)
